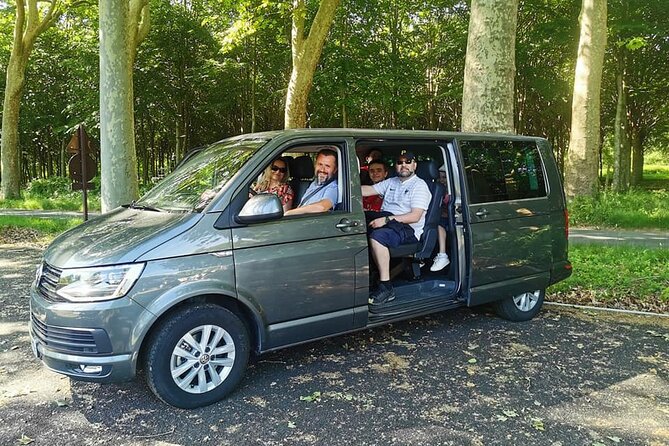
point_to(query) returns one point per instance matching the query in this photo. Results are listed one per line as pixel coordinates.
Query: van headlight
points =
(97, 284)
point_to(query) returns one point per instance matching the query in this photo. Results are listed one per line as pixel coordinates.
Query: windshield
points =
(192, 186)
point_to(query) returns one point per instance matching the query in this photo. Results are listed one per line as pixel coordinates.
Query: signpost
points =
(82, 164)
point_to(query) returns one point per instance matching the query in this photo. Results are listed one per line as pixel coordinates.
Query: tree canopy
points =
(214, 68)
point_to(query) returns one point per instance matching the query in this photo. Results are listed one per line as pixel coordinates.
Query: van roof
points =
(379, 133)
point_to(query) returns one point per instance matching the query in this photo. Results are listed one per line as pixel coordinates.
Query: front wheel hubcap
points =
(526, 301)
(202, 359)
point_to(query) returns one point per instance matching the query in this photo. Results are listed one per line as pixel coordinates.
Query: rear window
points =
(502, 170)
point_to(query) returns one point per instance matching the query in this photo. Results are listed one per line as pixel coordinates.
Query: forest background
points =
(213, 68)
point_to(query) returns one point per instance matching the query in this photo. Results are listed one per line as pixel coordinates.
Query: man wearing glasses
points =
(406, 197)
(322, 194)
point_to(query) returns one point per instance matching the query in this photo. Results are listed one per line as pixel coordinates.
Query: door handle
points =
(482, 212)
(346, 223)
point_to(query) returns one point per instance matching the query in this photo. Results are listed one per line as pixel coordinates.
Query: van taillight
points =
(566, 223)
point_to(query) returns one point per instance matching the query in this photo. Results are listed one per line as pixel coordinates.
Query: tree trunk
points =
(123, 24)
(179, 132)
(11, 169)
(621, 147)
(29, 24)
(581, 168)
(306, 54)
(637, 158)
(487, 99)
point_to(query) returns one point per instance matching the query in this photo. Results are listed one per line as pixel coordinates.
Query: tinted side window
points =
(502, 170)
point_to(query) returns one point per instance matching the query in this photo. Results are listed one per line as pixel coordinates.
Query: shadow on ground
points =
(462, 377)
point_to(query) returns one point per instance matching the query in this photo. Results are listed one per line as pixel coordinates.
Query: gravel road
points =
(455, 378)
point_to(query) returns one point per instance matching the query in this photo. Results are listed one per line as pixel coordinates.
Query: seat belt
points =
(313, 192)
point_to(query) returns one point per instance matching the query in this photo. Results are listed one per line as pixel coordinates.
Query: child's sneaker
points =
(441, 261)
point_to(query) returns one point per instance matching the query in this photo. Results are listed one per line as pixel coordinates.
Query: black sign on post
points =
(82, 165)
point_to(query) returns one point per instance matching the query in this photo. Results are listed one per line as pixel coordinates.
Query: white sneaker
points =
(441, 261)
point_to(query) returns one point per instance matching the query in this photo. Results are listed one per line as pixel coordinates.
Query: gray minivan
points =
(189, 280)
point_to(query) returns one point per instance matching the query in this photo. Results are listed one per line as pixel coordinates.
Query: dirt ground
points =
(454, 378)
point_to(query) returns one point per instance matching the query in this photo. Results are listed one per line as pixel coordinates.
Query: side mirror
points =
(260, 208)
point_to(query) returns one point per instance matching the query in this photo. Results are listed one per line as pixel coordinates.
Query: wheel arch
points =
(252, 321)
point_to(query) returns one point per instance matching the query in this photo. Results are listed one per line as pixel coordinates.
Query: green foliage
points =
(54, 193)
(634, 209)
(48, 187)
(44, 226)
(618, 272)
(213, 68)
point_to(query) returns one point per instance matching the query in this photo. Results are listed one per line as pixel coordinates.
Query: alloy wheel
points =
(526, 301)
(202, 359)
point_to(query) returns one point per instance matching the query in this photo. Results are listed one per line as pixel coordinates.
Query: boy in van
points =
(406, 197)
(378, 171)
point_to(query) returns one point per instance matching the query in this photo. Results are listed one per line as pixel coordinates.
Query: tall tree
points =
(123, 25)
(621, 147)
(487, 98)
(30, 23)
(581, 168)
(306, 52)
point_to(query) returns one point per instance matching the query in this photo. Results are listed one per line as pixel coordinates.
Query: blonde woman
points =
(274, 180)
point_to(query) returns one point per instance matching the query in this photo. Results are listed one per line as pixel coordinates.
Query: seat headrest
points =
(428, 170)
(302, 167)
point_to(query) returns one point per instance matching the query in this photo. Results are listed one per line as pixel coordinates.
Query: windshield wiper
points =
(143, 207)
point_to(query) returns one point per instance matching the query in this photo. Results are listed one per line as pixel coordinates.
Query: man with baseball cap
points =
(406, 197)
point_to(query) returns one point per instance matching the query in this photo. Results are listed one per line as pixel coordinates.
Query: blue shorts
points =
(394, 234)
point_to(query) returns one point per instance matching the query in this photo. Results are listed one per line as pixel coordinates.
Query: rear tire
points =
(522, 307)
(197, 356)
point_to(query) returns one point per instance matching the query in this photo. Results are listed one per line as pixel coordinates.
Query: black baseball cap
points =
(409, 156)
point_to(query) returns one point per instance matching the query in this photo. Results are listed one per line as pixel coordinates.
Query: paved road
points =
(576, 235)
(617, 237)
(456, 378)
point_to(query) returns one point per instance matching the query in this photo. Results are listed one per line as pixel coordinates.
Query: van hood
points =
(120, 236)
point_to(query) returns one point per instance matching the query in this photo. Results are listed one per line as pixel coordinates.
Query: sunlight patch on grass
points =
(636, 209)
(44, 226)
(623, 273)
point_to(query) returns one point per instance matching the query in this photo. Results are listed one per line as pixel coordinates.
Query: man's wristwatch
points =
(387, 219)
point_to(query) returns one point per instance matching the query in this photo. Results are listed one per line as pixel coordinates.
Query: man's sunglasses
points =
(400, 162)
(280, 169)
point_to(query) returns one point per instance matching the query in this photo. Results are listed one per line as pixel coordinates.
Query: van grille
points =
(48, 280)
(69, 340)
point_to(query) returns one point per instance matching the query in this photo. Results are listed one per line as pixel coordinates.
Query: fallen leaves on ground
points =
(581, 296)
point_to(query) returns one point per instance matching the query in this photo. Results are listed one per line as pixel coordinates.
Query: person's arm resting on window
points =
(323, 205)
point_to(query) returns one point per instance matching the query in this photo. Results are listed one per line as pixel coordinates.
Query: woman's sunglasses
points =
(280, 169)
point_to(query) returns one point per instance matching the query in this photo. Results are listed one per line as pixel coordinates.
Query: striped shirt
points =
(399, 197)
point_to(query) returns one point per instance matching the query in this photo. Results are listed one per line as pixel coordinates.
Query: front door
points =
(302, 273)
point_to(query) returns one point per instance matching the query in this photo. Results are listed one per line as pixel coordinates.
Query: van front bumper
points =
(73, 338)
(112, 368)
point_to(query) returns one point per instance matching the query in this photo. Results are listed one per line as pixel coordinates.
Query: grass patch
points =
(636, 209)
(656, 172)
(616, 276)
(33, 230)
(66, 203)
(655, 176)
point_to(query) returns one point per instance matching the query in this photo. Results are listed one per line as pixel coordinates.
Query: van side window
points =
(502, 170)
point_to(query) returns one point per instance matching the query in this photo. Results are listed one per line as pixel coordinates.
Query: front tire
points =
(197, 356)
(521, 307)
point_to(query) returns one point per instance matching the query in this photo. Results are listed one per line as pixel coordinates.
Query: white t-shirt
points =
(399, 197)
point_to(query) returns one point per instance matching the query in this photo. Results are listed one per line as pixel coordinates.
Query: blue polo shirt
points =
(330, 191)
